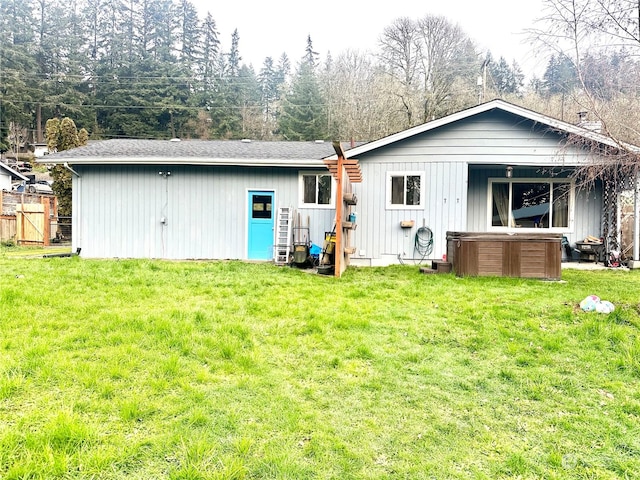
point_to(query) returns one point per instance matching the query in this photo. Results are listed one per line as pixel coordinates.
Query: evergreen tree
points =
(17, 67)
(303, 109)
(189, 34)
(507, 79)
(204, 88)
(536, 85)
(283, 69)
(560, 76)
(210, 49)
(4, 131)
(234, 58)
(58, 76)
(250, 103)
(310, 55)
(271, 82)
(609, 74)
(63, 135)
(164, 31)
(227, 105)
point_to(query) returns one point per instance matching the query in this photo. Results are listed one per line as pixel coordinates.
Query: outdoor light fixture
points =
(509, 172)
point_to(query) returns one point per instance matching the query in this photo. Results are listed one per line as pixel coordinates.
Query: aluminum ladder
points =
(283, 236)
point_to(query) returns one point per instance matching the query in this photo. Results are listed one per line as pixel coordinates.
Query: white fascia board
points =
(14, 173)
(244, 162)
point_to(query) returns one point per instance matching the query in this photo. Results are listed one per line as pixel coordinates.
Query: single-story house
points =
(8, 175)
(495, 167)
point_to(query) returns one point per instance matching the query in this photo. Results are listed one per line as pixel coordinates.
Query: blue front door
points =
(261, 222)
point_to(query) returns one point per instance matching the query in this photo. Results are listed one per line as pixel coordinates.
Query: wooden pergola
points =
(346, 172)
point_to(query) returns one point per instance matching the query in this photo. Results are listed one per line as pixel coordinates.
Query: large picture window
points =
(316, 190)
(405, 190)
(530, 204)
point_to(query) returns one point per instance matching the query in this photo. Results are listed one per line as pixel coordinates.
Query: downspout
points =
(66, 165)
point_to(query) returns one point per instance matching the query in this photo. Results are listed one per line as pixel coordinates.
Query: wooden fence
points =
(7, 227)
(27, 218)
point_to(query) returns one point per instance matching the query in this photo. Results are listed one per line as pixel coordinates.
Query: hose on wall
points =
(422, 244)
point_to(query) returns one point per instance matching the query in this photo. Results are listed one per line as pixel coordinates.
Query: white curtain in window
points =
(500, 193)
(560, 205)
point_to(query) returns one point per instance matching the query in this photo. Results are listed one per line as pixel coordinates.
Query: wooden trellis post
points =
(346, 172)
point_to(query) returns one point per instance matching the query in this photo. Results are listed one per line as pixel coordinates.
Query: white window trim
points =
(510, 181)
(301, 203)
(390, 206)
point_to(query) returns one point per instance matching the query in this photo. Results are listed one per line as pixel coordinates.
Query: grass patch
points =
(225, 370)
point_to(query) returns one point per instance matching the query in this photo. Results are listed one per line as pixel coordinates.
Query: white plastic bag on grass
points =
(589, 303)
(593, 303)
(605, 307)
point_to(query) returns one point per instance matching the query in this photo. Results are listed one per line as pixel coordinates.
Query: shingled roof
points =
(196, 152)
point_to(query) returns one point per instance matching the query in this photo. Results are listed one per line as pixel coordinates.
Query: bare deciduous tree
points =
(586, 31)
(354, 90)
(448, 54)
(400, 57)
(425, 59)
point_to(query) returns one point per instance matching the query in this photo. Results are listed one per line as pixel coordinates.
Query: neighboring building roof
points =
(552, 123)
(197, 152)
(13, 173)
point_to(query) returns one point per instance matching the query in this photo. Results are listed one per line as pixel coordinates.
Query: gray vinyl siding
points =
(456, 200)
(492, 137)
(117, 210)
(379, 233)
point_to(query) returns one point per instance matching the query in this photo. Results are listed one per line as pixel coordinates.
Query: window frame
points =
(411, 173)
(316, 173)
(548, 181)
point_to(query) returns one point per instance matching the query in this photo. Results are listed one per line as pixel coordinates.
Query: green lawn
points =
(224, 370)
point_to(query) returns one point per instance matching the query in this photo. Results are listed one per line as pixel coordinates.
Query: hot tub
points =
(526, 255)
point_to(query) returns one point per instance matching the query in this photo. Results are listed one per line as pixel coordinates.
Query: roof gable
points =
(558, 126)
(12, 172)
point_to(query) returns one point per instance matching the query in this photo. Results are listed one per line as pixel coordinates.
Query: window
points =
(317, 190)
(261, 206)
(530, 204)
(405, 190)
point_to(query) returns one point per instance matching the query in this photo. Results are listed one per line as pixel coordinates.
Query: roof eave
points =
(233, 162)
(14, 173)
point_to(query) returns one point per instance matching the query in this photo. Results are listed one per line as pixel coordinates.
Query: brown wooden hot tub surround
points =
(527, 255)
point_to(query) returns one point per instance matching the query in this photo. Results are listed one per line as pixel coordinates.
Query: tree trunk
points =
(39, 137)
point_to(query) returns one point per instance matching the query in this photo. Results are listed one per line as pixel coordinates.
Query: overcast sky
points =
(269, 28)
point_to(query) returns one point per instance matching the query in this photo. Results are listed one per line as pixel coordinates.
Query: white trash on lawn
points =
(592, 303)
